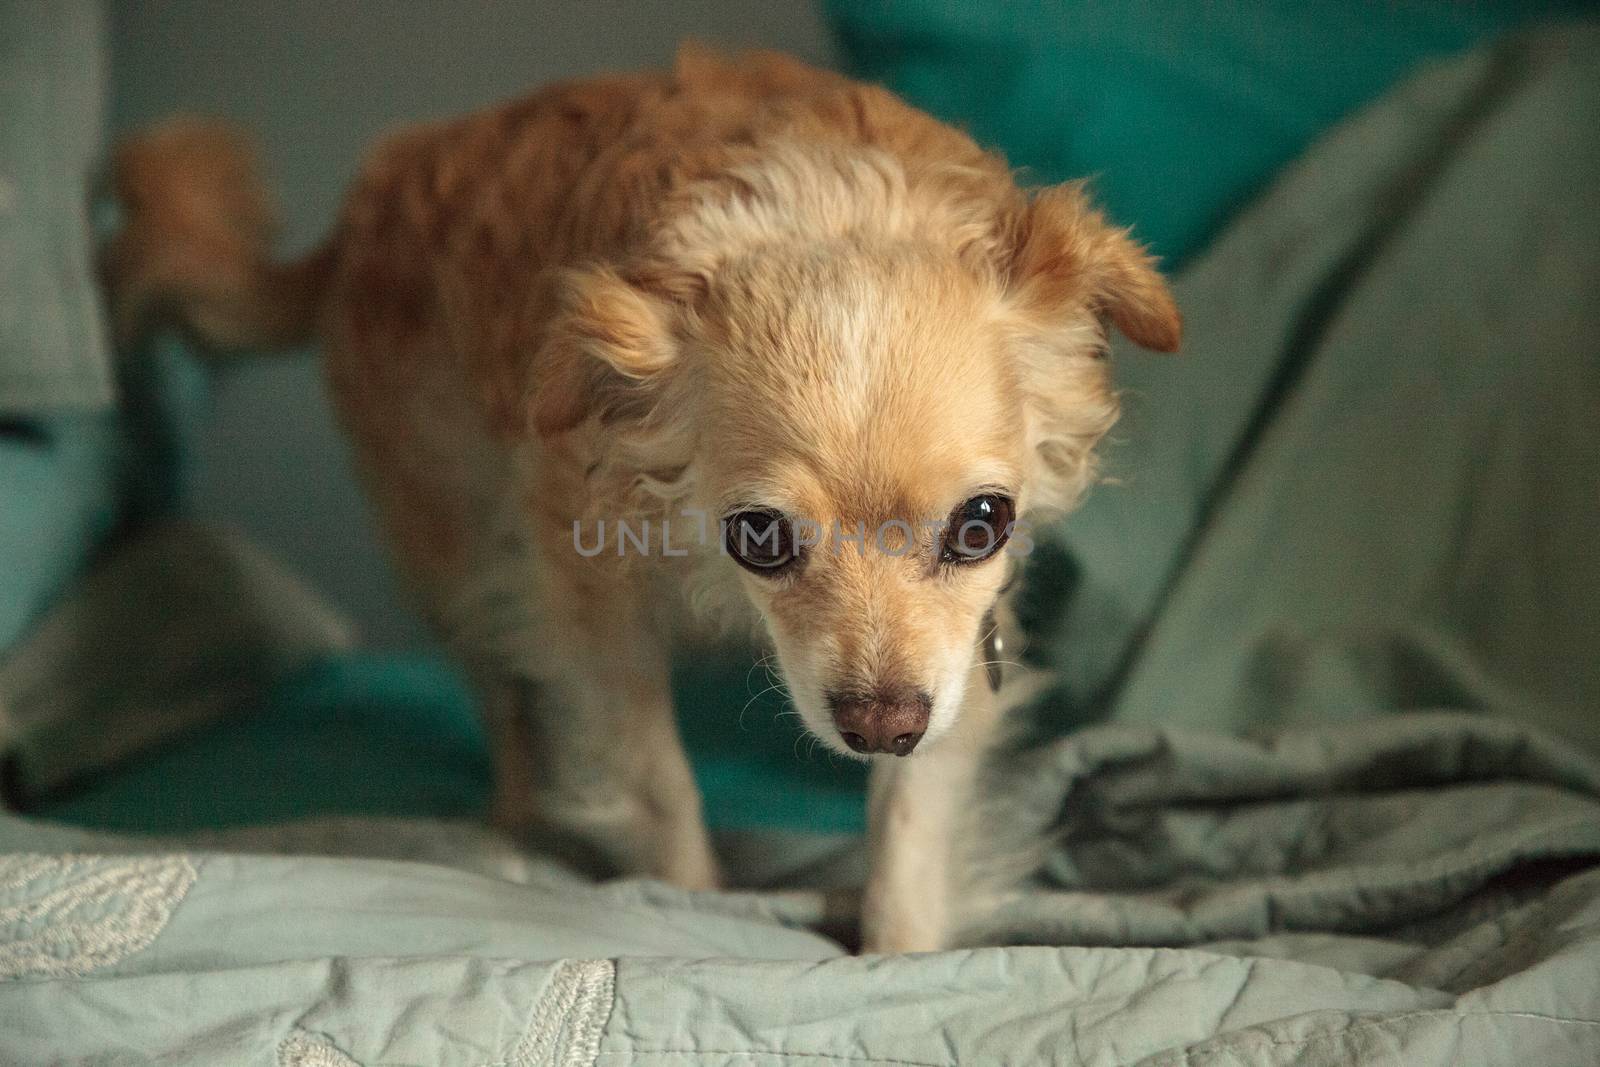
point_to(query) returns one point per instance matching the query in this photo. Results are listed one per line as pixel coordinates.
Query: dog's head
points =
(872, 412)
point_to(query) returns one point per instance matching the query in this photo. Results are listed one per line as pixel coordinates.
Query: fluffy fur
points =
(742, 283)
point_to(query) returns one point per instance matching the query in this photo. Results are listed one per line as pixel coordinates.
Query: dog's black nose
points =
(890, 720)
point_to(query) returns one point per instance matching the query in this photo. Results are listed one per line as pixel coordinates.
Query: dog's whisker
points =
(753, 699)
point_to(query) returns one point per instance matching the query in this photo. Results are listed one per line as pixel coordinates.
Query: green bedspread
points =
(1357, 521)
(1412, 889)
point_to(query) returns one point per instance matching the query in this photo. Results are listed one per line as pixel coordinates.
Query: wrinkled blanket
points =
(1340, 624)
(1425, 889)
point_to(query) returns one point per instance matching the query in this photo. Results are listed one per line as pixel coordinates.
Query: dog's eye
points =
(977, 529)
(761, 542)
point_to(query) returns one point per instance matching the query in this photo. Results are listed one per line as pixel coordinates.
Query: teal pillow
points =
(396, 735)
(366, 734)
(1179, 110)
(60, 479)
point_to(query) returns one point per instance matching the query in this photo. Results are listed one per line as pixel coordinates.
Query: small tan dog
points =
(643, 352)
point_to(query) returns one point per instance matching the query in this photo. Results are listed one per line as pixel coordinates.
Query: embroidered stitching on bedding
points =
(567, 1021)
(67, 915)
(304, 1049)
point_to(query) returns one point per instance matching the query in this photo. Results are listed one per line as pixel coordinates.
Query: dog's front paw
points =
(901, 939)
(891, 927)
(691, 865)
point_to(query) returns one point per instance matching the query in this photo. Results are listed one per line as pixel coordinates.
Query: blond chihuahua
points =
(640, 354)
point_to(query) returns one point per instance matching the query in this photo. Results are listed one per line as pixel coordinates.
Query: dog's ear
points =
(1065, 256)
(609, 338)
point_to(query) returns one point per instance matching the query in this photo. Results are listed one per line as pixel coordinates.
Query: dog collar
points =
(992, 647)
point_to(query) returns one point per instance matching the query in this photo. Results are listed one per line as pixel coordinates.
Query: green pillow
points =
(59, 484)
(396, 735)
(1179, 110)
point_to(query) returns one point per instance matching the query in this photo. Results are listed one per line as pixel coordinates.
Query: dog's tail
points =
(195, 245)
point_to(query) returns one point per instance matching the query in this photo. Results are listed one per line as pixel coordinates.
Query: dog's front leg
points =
(915, 808)
(588, 761)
